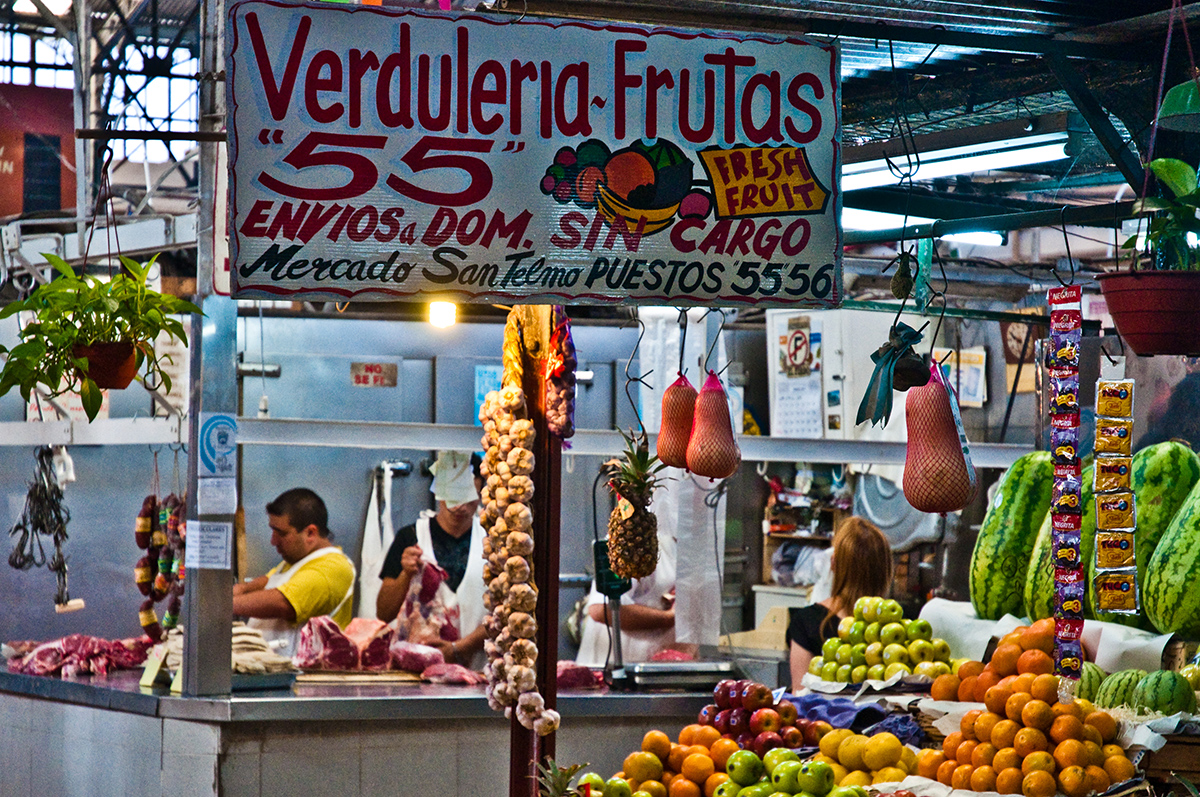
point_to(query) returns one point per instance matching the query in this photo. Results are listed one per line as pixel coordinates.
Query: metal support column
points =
(209, 596)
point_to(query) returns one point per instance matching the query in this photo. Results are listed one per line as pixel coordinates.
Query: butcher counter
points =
(107, 736)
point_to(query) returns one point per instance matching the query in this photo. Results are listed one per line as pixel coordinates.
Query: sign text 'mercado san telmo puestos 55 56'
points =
(378, 154)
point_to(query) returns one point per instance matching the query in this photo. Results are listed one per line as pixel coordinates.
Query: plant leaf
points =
(1175, 175)
(92, 398)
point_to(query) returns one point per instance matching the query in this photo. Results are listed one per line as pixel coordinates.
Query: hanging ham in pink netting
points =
(428, 613)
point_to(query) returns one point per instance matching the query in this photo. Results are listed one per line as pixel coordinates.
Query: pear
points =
(712, 450)
(675, 428)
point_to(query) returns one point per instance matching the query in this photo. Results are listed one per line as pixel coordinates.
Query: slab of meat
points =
(576, 676)
(451, 674)
(426, 615)
(373, 638)
(79, 654)
(413, 657)
(323, 646)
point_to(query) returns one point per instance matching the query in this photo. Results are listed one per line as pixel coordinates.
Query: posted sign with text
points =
(379, 154)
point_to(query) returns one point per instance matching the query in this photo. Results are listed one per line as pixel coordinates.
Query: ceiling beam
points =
(929, 205)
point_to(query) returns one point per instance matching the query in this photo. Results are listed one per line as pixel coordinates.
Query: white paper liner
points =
(901, 681)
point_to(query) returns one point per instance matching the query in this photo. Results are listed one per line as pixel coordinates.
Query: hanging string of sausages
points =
(160, 531)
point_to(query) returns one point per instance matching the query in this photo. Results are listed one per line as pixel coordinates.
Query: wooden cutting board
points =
(335, 677)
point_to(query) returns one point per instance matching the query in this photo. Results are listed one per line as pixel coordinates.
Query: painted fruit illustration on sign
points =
(641, 187)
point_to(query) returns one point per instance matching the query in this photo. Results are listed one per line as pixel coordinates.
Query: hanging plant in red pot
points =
(1157, 310)
(88, 334)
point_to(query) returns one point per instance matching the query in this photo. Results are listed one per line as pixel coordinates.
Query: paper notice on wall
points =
(209, 547)
(966, 371)
(794, 355)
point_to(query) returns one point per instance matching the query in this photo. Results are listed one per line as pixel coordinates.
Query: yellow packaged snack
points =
(1115, 511)
(1115, 398)
(1116, 591)
(1114, 549)
(1114, 436)
(1111, 474)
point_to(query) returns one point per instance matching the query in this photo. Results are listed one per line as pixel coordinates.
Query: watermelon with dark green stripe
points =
(1089, 681)
(1039, 579)
(1166, 691)
(1169, 594)
(1117, 689)
(1162, 477)
(1000, 560)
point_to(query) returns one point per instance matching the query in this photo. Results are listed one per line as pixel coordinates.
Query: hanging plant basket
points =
(110, 365)
(1156, 312)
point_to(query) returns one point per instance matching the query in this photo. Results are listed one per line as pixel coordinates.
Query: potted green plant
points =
(1157, 310)
(87, 333)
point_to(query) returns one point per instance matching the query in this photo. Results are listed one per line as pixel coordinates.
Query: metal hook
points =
(683, 325)
(630, 379)
(761, 468)
(1067, 242)
(716, 337)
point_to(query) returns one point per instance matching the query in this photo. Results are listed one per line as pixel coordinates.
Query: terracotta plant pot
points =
(1156, 312)
(111, 365)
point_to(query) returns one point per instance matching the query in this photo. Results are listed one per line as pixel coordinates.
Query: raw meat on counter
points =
(576, 676)
(79, 654)
(451, 674)
(413, 657)
(373, 638)
(323, 646)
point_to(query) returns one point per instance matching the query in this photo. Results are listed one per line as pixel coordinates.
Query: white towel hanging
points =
(377, 539)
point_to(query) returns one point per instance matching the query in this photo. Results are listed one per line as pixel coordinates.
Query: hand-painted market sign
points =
(378, 154)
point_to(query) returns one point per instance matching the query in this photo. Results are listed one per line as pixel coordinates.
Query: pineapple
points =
(555, 782)
(632, 527)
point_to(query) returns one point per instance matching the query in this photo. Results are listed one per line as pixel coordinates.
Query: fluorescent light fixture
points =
(976, 238)
(442, 314)
(855, 219)
(56, 7)
(1005, 154)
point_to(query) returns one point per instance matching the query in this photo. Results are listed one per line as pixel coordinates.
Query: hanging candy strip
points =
(1066, 331)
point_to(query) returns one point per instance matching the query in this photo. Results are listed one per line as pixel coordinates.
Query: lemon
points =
(908, 760)
(830, 741)
(882, 750)
(850, 751)
(856, 778)
(888, 775)
(839, 771)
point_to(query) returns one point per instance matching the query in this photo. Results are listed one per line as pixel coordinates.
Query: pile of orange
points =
(1026, 650)
(692, 767)
(1028, 742)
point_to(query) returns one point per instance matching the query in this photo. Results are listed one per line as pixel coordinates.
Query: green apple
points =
(895, 654)
(871, 609)
(594, 780)
(816, 777)
(874, 653)
(890, 611)
(892, 633)
(744, 767)
(892, 669)
(617, 787)
(920, 629)
(876, 672)
(763, 788)
(843, 674)
(640, 793)
(858, 674)
(773, 758)
(920, 650)
(829, 671)
(815, 665)
(830, 647)
(927, 668)
(857, 630)
(844, 653)
(941, 649)
(785, 774)
(858, 654)
(871, 634)
(942, 668)
(728, 789)
(848, 791)
(860, 606)
(844, 628)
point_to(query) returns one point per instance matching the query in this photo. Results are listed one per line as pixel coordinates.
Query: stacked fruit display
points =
(858, 760)
(877, 642)
(1028, 742)
(1026, 650)
(746, 712)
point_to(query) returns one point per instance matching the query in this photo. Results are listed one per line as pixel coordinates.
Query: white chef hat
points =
(453, 478)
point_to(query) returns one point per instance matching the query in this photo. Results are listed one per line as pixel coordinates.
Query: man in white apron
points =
(314, 579)
(451, 538)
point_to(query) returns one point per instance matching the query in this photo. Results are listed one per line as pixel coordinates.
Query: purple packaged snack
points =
(1065, 497)
(1068, 658)
(1068, 599)
(1064, 349)
(1064, 394)
(1064, 446)
(1068, 628)
(1066, 549)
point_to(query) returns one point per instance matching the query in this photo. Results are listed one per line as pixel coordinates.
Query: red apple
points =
(735, 693)
(722, 693)
(903, 793)
(744, 740)
(787, 712)
(756, 696)
(767, 740)
(708, 714)
(765, 719)
(721, 720)
(792, 736)
(815, 730)
(739, 721)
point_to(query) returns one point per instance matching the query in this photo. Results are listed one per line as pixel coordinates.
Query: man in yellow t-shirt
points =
(314, 579)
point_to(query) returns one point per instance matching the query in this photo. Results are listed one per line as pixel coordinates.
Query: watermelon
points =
(1000, 560)
(1089, 681)
(1039, 579)
(1117, 689)
(1163, 476)
(1169, 594)
(1165, 691)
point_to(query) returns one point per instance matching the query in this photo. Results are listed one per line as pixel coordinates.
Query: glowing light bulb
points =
(442, 314)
